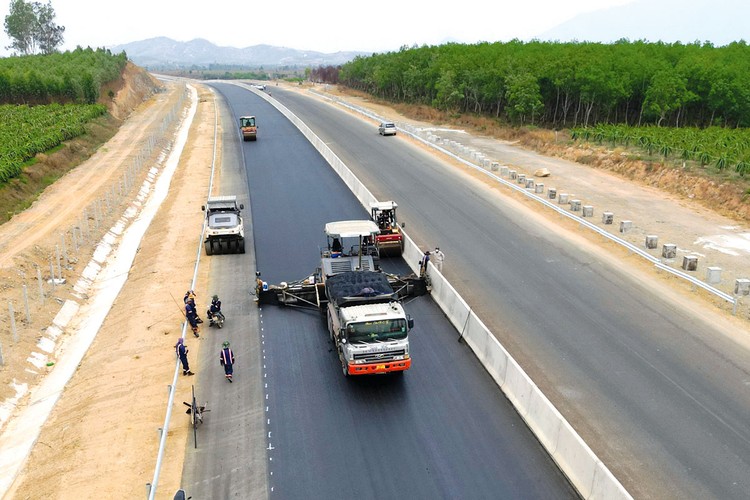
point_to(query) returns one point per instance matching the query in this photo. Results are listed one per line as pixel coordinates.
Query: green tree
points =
(31, 27)
(667, 93)
(49, 35)
(19, 26)
(523, 97)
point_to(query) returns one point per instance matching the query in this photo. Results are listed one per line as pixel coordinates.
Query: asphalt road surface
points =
(443, 430)
(660, 396)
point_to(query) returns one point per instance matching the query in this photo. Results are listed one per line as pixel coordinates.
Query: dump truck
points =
(248, 128)
(362, 305)
(225, 232)
(389, 240)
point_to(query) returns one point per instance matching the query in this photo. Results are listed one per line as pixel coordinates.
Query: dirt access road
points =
(101, 439)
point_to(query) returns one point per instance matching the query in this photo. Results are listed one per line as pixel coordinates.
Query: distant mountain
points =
(717, 21)
(165, 53)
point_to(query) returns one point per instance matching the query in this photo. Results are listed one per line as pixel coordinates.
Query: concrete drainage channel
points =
(577, 461)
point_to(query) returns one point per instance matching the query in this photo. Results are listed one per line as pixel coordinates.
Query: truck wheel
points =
(330, 329)
(344, 368)
(242, 246)
(208, 248)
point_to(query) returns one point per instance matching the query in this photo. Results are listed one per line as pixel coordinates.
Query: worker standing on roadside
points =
(423, 264)
(182, 351)
(438, 258)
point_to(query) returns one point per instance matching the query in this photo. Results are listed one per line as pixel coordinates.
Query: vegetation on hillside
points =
(69, 77)
(567, 84)
(48, 99)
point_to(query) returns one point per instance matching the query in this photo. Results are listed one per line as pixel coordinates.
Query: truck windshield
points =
(371, 331)
(248, 122)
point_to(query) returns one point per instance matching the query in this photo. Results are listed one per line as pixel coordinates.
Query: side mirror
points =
(203, 208)
(242, 207)
(402, 224)
(342, 339)
(409, 321)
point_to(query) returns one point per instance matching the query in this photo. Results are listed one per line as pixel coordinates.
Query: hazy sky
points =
(338, 25)
(323, 25)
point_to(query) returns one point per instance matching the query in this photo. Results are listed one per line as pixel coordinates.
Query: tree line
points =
(565, 84)
(69, 77)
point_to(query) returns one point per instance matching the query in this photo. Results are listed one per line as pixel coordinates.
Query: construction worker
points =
(438, 258)
(423, 263)
(192, 315)
(226, 357)
(181, 350)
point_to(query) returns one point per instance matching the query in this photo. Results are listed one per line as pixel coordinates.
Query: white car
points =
(387, 128)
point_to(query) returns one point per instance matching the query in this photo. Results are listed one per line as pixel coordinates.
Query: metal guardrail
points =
(654, 260)
(164, 431)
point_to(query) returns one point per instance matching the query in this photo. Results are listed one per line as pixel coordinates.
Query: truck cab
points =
(367, 323)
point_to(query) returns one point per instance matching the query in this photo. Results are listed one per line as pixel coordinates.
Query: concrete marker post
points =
(41, 287)
(12, 321)
(52, 273)
(64, 248)
(26, 304)
(59, 266)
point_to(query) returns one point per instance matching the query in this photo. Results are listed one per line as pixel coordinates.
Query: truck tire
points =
(330, 328)
(241, 247)
(207, 244)
(344, 369)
